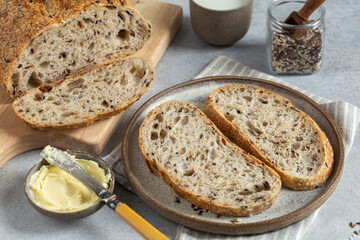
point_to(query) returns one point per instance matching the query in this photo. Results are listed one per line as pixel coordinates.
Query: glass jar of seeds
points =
(294, 49)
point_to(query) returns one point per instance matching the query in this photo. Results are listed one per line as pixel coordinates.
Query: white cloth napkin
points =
(346, 116)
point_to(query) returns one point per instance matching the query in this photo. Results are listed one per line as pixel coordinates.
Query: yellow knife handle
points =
(145, 229)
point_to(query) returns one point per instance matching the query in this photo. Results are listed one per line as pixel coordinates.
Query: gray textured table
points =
(188, 55)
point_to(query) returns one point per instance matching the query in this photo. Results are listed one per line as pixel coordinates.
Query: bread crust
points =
(19, 23)
(61, 10)
(202, 201)
(243, 142)
(23, 20)
(96, 117)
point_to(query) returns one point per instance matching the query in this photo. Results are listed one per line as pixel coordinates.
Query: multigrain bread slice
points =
(269, 127)
(44, 41)
(181, 145)
(81, 99)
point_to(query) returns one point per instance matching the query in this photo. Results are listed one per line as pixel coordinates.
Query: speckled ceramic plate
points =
(290, 206)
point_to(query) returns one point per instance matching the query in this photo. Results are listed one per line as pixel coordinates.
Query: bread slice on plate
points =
(81, 99)
(181, 145)
(270, 128)
(44, 41)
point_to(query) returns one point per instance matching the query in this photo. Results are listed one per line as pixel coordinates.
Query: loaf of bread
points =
(44, 41)
(270, 128)
(181, 145)
(83, 98)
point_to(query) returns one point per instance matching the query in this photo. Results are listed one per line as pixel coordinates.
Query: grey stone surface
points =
(187, 55)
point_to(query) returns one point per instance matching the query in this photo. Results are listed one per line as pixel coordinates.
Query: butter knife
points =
(65, 161)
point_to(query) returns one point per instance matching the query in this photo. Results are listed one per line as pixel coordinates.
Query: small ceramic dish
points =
(70, 215)
(221, 22)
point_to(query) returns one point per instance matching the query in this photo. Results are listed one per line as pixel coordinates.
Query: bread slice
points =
(44, 41)
(269, 127)
(181, 145)
(81, 99)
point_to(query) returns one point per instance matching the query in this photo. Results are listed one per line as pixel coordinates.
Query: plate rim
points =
(237, 228)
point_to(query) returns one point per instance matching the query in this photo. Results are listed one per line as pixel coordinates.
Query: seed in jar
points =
(300, 55)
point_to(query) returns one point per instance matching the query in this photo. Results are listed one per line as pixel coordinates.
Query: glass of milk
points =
(220, 22)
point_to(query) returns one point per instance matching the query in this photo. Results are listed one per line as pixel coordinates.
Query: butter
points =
(55, 190)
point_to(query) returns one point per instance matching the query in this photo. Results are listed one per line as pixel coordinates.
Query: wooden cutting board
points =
(17, 137)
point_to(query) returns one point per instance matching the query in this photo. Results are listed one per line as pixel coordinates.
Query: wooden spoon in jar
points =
(301, 17)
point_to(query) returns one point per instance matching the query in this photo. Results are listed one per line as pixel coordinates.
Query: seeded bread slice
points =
(81, 99)
(181, 145)
(44, 41)
(269, 127)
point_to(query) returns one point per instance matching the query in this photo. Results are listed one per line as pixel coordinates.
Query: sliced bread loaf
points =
(269, 127)
(44, 41)
(181, 145)
(81, 99)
